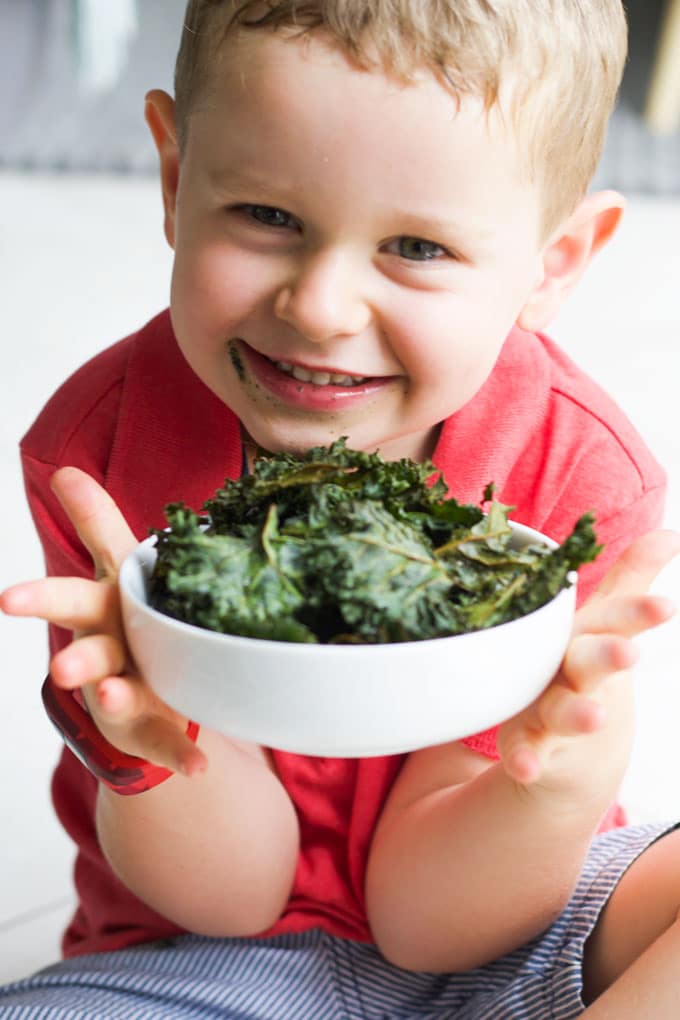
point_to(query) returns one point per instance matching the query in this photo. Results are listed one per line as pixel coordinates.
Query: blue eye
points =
(417, 250)
(269, 216)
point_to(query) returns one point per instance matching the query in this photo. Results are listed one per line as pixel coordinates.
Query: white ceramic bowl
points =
(344, 700)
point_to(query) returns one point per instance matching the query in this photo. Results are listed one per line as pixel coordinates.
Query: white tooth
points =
(319, 378)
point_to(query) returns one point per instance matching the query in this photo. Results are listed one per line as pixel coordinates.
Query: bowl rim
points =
(141, 558)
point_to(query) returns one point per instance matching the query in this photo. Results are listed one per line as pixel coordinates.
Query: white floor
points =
(83, 262)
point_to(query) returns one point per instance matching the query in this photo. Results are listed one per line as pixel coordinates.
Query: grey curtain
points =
(50, 117)
(50, 120)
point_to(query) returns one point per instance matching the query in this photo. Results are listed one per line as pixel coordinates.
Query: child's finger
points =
(98, 521)
(522, 763)
(123, 709)
(160, 741)
(567, 713)
(70, 602)
(592, 657)
(134, 720)
(636, 569)
(628, 615)
(560, 713)
(123, 700)
(87, 660)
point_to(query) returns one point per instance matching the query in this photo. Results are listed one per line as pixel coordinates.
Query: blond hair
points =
(562, 61)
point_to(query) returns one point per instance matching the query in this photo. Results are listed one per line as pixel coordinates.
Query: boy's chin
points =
(299, 442)
(283, 442)
(417, 447)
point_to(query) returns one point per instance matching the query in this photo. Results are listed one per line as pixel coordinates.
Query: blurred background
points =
(83, 262)
(74, 73)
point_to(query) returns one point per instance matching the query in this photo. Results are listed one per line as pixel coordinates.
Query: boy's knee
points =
(645, 904)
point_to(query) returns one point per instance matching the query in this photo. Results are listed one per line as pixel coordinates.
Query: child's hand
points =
(124, 709)
(590, 698)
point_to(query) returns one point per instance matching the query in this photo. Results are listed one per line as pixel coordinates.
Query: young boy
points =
(375, 209)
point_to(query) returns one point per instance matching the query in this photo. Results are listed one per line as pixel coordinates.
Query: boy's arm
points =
(470, 860)
(215, 853)
(464, 873)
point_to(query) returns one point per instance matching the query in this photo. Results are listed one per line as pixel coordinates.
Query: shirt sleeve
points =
(74, 428)
(64, 553)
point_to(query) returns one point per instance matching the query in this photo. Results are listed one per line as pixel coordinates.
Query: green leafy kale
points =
(341, 546)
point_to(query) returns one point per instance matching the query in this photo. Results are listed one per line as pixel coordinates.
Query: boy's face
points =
(368, 235)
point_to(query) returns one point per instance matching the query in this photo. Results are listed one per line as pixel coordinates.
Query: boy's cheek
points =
(204, 288)
(216, 272)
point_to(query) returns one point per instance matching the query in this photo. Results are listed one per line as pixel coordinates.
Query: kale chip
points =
(338, 545)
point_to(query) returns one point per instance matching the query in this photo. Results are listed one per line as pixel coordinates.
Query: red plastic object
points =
(123, 773)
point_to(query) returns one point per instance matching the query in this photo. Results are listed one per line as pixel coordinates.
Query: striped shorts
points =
(316, 976)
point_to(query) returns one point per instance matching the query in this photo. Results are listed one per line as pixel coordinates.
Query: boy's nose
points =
(324, 299)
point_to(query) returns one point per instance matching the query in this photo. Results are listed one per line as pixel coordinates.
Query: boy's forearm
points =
(469, 873)
(215, 854)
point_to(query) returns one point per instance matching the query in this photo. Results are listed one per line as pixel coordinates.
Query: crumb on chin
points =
(236, 360)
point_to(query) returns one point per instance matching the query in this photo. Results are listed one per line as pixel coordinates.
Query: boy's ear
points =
(568, 254)
(159, 111)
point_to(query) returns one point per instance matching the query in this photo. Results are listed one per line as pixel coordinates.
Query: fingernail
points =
(14, 600)
(111, 699)
(666, 607)
(192, 767)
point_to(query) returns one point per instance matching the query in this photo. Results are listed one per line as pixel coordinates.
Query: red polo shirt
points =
(138, 420)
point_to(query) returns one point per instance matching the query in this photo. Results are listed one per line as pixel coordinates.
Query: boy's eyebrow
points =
(428, 225)
(230, 177)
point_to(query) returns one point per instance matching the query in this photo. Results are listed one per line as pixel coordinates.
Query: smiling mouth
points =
(312, 382)
(318, 378)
